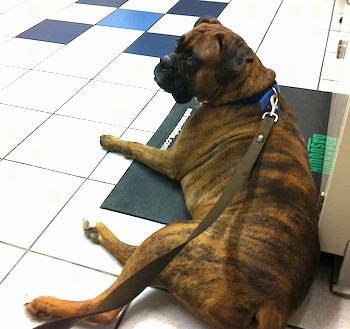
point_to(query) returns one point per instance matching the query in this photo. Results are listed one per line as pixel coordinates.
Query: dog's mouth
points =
(166, 82)
(167, 77)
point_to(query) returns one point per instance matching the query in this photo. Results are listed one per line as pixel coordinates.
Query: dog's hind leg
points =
(100, 234)
(47, 306)
(271, 317)
(158, 243)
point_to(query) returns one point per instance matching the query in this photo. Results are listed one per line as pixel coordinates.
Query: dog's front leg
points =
(162, 161)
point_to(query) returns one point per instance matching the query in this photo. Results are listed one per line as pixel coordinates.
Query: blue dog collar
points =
(262, 98)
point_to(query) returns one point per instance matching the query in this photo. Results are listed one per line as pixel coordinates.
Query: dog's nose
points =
(166, 62)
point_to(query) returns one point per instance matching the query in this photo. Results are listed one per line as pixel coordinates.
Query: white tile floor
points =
(56, 100)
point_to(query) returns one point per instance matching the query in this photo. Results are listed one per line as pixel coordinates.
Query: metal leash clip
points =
(274, 107)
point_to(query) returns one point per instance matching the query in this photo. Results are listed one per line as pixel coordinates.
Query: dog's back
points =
(259, 258)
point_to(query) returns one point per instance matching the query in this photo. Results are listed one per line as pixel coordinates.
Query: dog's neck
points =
(263, 98)
(245, 85)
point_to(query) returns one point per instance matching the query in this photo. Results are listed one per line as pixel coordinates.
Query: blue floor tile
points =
(55, 31)
(152, 44)
(106, 3)
(198, 8)
(131, 19)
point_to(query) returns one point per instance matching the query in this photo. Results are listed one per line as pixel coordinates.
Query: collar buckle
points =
(273, 106)
(267, 101)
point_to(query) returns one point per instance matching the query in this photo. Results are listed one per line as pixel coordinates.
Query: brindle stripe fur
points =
(255, 264)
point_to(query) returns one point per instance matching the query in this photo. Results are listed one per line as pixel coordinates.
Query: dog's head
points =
(205, 60)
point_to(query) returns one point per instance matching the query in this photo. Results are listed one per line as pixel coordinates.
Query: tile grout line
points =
(73, 263)
(129, 126)
(268, 28)
(17, 67)
(26, 137)
(25, 251)
(325, 48)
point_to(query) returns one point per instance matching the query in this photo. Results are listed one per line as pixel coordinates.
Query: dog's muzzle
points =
(166, 74)
(168, 77)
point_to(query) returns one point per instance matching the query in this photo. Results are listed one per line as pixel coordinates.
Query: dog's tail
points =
(271, 316)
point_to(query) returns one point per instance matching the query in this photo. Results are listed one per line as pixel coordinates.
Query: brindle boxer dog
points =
(255, 264)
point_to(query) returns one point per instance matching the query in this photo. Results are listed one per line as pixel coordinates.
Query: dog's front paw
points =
(109, 142)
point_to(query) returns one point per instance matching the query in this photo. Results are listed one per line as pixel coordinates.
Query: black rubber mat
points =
(145, 193)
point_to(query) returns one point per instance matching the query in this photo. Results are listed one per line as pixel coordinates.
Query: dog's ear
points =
(206, 19)
(235, 54)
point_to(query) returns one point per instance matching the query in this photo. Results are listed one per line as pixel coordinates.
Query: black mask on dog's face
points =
(167, 76)
(223, 55)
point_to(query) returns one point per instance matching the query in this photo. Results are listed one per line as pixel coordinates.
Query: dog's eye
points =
(189, 59)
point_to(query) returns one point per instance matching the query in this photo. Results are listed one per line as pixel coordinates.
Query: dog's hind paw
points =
(39, 308)
(91, 232)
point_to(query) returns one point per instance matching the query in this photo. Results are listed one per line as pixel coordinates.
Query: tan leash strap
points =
(137, 282)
